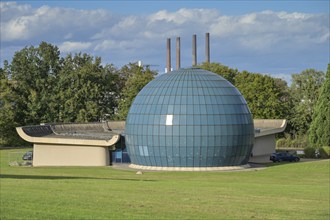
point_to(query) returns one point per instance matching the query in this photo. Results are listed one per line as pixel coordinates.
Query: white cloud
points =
(184, 16)
(291, 16)
(257, 31)
(15, 30)
(248, 19)
(70, 46)
(46, 22)
(11, 10)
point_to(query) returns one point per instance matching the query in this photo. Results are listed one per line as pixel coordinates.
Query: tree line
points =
(40, 86)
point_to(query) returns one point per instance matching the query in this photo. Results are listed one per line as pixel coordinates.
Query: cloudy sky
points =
(276, 38)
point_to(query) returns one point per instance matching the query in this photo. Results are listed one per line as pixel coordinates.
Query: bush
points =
(288, 142)
(295, 143)
(281, 143)
(309, 152)
(325, 152)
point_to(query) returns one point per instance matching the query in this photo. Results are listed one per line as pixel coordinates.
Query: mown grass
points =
(286, 191)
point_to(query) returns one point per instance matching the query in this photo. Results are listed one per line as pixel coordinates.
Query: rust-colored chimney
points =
(168, 56)
(178, 61)
(207, 47)
(194, 50)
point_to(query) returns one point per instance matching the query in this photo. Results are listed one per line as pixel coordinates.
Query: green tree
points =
(86, 90)
(26, 89)
(33, 73)
(138, 77)
(319, 132)
(40, 86)
(7, 109)
(266, 97)
(304, 91)
(111, 90)
(224, 71)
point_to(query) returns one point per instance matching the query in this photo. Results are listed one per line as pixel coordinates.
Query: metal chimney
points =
(178, 61)
(168, 56)
(194, 50)
(207, 47)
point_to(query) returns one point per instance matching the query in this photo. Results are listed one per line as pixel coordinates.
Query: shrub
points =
(295, 143)
(325, 152)
(288, 142)
(309, 152)
(281, 143)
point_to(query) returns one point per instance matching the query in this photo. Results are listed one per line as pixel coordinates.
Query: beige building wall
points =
(264, 145)
(70, 155)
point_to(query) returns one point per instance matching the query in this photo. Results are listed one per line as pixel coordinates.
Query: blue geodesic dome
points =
(189, 118)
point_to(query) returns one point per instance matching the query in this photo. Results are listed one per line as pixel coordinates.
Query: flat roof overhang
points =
(80, 134)
(269, 126)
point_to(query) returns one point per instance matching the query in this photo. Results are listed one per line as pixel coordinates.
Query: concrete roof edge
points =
(71, 141)
(282, 123)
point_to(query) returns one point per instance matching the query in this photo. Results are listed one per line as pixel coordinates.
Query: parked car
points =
(283, 156)
(28, 155)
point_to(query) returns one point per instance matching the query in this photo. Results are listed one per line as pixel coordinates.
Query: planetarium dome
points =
(189, 118)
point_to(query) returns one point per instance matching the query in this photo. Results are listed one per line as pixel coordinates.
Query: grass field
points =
(282, 191)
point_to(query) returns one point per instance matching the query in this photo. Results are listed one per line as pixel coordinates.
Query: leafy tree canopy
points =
(133, 86)
(39, 86)
(319, 132)
(267, 97)
(305, 91)
(224, 71)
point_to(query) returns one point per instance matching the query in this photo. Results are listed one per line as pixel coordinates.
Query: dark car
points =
(283, 156)
(28, 155)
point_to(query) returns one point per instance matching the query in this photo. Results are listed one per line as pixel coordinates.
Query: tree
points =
(7, 109)
(33, 72)
(111, 90)
(266, 97)
(86, 90)
(224, 71)
(304, 90)
(137, 79)
(319, 132)
(27, 89)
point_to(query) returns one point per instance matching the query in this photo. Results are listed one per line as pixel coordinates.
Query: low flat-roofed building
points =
(88, 144)
(79, 144)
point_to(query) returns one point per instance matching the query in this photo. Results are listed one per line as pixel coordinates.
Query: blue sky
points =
(232, 7)
(270, 37)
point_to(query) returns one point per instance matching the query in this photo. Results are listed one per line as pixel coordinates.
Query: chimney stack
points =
(168, 57)
(207, 47)
(194, 51)
(178, 61)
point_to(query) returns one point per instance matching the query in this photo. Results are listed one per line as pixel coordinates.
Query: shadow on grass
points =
(35, 177)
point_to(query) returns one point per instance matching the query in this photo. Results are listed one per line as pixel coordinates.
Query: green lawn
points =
(285, 191)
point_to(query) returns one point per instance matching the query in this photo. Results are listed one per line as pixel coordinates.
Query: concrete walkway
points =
(247, 167)
(258, 163)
